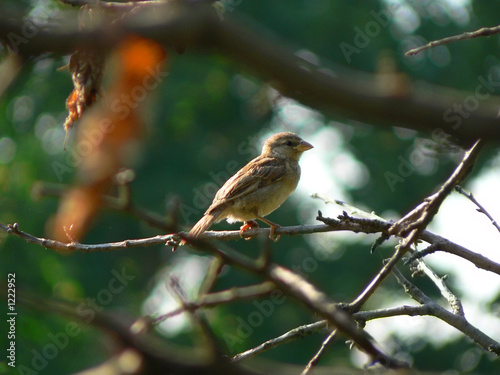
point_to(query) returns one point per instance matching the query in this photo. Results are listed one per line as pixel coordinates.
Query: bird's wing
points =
(259, 172)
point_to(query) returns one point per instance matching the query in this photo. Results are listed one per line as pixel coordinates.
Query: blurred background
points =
(205, 121)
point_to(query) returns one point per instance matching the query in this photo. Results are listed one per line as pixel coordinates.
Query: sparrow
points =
(258, 188)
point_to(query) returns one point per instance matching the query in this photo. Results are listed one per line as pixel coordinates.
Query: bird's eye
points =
(289, 143)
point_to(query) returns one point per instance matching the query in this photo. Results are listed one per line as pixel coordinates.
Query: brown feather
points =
(260, 187)
(202, 225)
(260, 172)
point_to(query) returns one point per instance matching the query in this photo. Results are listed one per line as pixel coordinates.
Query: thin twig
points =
(218, 298)
(110, 4)
(423, 214)
(211, 276)
(291, 335)
(120, 203)
(455, 320)
(361, 316)
(453, 300)
(314, 360)
(315, 300)
(413, 224)
(485, 31)
(197, 319)
(480, 208)
(364, 316)
(439, 243)
(333, 225)
(331, 88)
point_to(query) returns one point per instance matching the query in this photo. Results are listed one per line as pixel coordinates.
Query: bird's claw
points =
(247, 226)
(271, 233)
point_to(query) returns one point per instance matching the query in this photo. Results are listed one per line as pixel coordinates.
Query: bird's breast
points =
(268, 198)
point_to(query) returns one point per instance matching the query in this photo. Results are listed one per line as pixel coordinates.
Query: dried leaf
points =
(108, 136)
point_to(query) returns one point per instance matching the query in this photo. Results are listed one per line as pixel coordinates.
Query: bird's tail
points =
(201, 226)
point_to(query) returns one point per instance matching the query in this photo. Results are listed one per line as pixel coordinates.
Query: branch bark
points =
(484, 31)
(455, 320)
(331, 225)
(335, 89)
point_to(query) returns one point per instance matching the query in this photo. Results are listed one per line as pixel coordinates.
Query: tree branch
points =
(442, 244)
(410, 227)
(455, 320)
(121, 203)
(485, 31)
(345, 223)
(292, 335)
(455, 303)
(314, 360)
(218, 298)
(415, 222)
(289, 282)
(480, 208)
(335, 89)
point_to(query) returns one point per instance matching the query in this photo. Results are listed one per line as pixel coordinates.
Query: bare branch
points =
(75, 246)
(455, 320)
(442, 244)
(364, 316)
(455, 303)
(314, 360)
(120, 203)
(480, 208)
(485, 31)
(415, 222)
(218, 298)
(211, 276)
(110, 4)
(345, 223)
(335, 89)
(296, 286)
(287, 281)
(294, 334)
(368, 291)
(410, 227)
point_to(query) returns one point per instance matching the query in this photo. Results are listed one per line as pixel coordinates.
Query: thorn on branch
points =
(327, 220)
(379, 241)
(422, 253)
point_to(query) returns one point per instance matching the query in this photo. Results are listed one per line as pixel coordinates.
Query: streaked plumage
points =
(258, 188)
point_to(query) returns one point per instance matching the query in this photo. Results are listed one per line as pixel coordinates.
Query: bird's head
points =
(285, 145)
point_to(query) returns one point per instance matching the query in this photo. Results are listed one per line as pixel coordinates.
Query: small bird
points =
(258, 188)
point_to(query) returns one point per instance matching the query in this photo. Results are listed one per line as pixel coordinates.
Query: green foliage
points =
(197, 120)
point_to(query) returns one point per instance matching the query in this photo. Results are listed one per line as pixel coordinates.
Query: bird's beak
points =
(304, 146)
